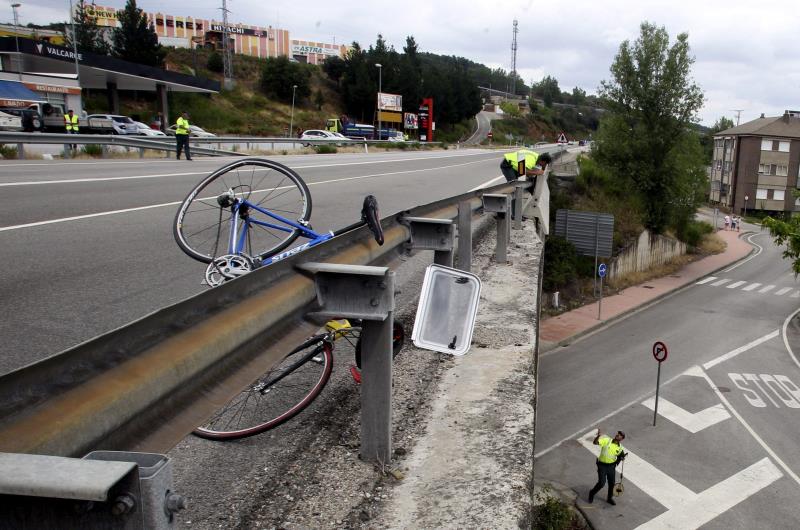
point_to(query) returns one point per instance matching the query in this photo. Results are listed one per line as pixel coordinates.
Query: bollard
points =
(555, 300)
(465, 236)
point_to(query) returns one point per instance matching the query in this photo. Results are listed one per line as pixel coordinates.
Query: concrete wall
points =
(648, 251)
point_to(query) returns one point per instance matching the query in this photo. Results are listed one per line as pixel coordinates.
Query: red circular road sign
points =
(660, 351)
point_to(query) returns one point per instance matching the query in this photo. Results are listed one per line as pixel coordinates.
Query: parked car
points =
(194, 130)
(120, 124)
(29, 118)
(147, 131)
(9, 122)
(320, 136)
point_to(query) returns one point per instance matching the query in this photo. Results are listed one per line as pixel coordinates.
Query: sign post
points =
(745, 205)
(601, 271)
(660, 355)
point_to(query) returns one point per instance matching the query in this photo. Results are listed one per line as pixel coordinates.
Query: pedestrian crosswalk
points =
(760, 288)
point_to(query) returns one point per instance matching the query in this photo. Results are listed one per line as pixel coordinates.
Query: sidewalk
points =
(566, 327)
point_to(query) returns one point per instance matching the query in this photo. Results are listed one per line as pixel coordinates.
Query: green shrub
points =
(692, 232)
(325, 149)
(8, 152)
(215, 63)
(560, 263)
(93, 149)
(553, 514)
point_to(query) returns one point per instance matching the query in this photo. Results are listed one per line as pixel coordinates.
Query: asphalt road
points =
(88, 245)
(724, 452)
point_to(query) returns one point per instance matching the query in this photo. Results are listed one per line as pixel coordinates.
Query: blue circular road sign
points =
(601, 270)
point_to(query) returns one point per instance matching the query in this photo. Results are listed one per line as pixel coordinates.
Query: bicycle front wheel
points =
(276, 397)
(202, 227)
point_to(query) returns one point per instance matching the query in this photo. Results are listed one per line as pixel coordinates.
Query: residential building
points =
(755, 165)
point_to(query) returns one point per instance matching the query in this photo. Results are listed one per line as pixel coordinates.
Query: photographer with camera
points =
(611, 454)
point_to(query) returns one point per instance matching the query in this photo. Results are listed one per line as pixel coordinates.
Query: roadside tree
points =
(279, 75)
(135, 39)
(646, 138)
(88, 35)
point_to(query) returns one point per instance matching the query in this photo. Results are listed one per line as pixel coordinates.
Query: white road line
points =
(598, 420)
(129, 210)
(706, 280)
(753, 433)
(692, 422)
(487, 183)
(733, 353)
(163, 175)
(783, 291)
(767, 289)
(751, 287)
(786, 339)
(721, 282)
(759, 251)
(717, 499)
(734, 285)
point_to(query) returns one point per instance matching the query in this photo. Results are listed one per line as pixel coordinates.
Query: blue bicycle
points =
(244, 215)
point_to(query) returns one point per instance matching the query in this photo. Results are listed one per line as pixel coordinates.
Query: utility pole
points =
(227, 59)
(738, 113)
(514, 58)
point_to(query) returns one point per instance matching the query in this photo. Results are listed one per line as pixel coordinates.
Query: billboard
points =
(410, 121)
(393, 102)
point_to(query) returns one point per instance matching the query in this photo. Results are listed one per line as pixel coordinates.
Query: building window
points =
(766, 145)
(761, 194)
(718, 142)
(763, 169)
(783, 147)
(782, 171)
(778, 195)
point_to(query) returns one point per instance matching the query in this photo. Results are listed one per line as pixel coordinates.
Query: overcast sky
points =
(747, 56)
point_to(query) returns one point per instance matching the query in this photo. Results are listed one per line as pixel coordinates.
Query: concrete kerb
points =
(545, 348)
(565, 494)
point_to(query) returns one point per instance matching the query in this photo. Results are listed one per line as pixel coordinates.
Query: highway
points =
(723, 453)
(88, 245)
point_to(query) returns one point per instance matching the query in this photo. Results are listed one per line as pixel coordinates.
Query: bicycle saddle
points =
(370, 216)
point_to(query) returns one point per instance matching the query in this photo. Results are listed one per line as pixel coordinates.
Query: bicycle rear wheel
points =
(202, 228)
(276, 397)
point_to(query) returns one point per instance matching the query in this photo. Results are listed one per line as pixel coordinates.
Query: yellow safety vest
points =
(71, 125)
(609, 450)
(182, 126)
(530, 159)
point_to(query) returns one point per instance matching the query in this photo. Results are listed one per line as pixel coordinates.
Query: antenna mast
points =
(514, 58)
(738, 113)
(227, 59)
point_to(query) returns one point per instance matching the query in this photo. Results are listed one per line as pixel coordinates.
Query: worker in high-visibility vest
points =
(611, 454)
(182, 135)
(71, 122)
(523, 162)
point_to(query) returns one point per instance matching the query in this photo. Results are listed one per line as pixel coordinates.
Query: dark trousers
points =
(509, 171)
(605, 473)
(183, 144)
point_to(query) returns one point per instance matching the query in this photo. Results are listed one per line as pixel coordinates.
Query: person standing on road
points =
(727, 221)
(182, 135)
(71, 124)
(611, 453)
(535, 164)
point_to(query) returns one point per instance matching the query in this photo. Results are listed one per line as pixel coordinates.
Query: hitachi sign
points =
(57, 52)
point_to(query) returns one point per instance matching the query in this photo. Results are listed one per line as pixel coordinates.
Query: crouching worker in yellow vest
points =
(523, 162)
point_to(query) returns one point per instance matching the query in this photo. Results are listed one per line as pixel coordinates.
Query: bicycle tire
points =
(202, 227)
(265, 404)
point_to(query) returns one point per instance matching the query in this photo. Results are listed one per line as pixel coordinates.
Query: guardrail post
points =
(354, 291)
(141, 152)
(465, 236)
(67, 151)
(366, 148)
(501, 205)
(20, 151)
(518, 188)
(432, 234)
(104, 151)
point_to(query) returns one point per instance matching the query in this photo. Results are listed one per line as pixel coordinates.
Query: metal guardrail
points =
(155, 379)
(167, 143)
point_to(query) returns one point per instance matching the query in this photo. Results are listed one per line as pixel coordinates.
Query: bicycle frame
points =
(240, 228)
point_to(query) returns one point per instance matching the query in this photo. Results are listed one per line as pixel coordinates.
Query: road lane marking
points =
(692, 422)
(487, 183)
(796, 294)
(733, 353)
(721, 282)
(759, 251)
(717, 499)
(753, 433)
(751, 287)
(786, 339)
(706, 280)
(149, 207)
(783, 291)
(100, 179)
(734, 285)
(767, 289)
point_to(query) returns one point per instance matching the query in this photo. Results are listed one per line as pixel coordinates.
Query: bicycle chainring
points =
(227, 267)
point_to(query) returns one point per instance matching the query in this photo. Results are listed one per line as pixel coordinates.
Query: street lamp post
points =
(16, 39)
(745, 205)
(291, 120)
(380, 69)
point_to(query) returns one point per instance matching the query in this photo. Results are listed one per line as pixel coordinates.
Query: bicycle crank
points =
(226, 268)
